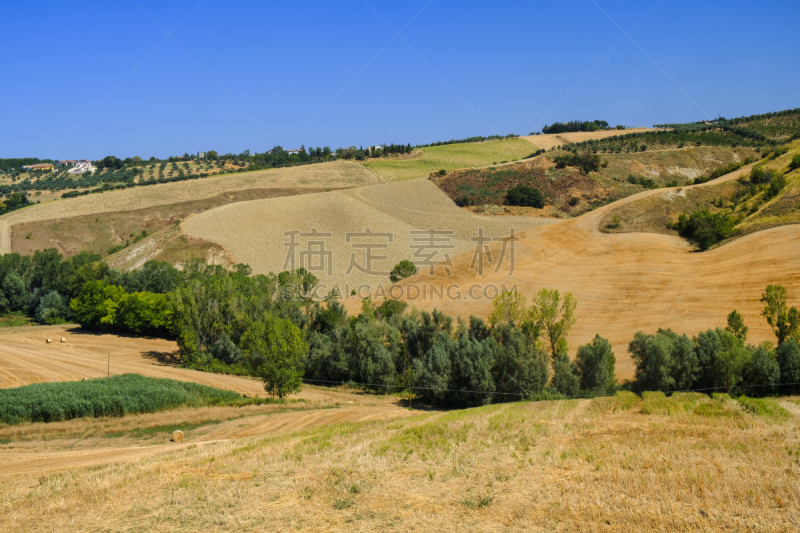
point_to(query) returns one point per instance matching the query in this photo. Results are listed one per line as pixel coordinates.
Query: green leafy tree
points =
(402, 270)
(554, 318)
(97, 305)
(736, 326)
(509, 308)
(730, 361)
(784, 320)
(652, 356)
(521, 367)
(565, 375)
(595, 363)
(795, 164)
(788, 357)
(273, 349)
(525, 196)
(764, 371)
(51, 309)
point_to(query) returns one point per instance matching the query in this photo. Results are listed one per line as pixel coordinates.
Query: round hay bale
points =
(49, 341)
(177, 436)
(63, 339)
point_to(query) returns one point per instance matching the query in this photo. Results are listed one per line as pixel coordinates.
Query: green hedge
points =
(115, 396)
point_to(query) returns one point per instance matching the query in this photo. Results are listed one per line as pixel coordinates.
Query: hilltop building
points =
(39, 166)
(81, 167)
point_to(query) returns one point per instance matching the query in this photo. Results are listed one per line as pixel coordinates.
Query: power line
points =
(586, 395)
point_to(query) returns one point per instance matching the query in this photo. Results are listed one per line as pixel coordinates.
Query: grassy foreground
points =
(115, 396)
(684, 463)
(451, 157)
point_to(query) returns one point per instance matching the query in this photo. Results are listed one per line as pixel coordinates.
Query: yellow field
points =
(687, 463)
(450, 157)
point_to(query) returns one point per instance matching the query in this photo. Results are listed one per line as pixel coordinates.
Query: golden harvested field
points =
(551, 140)
(254, 232)
(631, 281)
(335, 175)
(449, 157)
(623, 464)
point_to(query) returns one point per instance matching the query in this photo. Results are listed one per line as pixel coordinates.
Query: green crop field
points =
(114, 396)
(451, 157)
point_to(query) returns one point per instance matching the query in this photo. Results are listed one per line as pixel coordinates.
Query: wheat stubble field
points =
(633, 281)
(397, 209)
(686, 463)
(335, 175)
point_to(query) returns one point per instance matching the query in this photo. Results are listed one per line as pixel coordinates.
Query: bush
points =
(705, 228)
(586, 162)
(795, 164)
(402, 270)
(525, 196)
(51, 309)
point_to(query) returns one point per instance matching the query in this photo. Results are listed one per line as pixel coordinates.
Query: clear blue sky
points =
(93, 78)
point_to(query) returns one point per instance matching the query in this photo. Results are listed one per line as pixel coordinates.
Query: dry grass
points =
(611, 464)
(450, 157)
(651, 214)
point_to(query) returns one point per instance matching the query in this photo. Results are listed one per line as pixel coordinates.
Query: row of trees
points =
(575, 125)
(720, 359)
(269, 326)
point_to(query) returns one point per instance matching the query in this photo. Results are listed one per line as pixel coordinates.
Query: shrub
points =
(402, 270)
(586, 162)
(51, 309)
(705, 228)
(795, 163)
(525, 196)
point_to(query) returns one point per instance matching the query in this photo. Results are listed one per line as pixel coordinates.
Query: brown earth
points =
(335, 175)
(625, 282)
(488, 186)
(98, 232)
(551, 140)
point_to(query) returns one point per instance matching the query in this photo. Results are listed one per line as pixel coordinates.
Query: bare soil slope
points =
(335, 175)
(551, 140)
(633, 281)
(255, 232)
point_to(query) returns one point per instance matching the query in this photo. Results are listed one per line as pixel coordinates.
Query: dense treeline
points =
(274, 328)
(471, 140)
(776, 124)
(575, 125)
(720, 360)
(14, 164)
